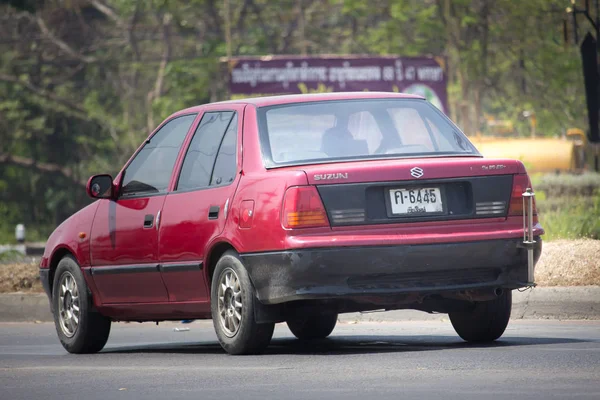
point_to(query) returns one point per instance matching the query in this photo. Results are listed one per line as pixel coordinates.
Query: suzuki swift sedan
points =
(296, 209)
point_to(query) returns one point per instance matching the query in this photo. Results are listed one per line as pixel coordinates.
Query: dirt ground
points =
(20, 277)
(563, 263)
(569, 263)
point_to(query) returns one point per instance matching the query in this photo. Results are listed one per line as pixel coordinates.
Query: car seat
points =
(339, 142)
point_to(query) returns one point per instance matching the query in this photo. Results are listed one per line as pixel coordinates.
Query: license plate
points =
(416, 201)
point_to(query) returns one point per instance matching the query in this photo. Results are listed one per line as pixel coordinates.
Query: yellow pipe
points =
(538, 155)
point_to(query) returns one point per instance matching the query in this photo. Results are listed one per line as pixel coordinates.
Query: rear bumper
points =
(352, 272)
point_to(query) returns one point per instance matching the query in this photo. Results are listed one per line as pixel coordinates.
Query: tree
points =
(83, 82)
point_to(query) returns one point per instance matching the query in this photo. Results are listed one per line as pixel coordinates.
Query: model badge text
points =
(323, 177)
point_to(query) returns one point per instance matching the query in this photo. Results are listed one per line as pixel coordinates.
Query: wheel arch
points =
(58, 255)
(215, 252)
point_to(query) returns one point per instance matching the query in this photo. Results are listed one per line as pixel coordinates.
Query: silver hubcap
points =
(230, 302)
(68, 304)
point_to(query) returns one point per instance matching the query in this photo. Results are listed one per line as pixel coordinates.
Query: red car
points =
(295, 209)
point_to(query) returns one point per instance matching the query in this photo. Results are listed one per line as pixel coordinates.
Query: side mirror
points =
(100, 187)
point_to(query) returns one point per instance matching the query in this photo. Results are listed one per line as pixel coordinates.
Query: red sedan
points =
(295, 209)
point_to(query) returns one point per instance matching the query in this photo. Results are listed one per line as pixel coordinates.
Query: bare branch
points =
(68, 76)
(106, 10)
(130, 32)
(289, 32)
(45, 94)
(160, 74)
(9, 159)
(216, 19)
(62, 45)
(71, 108)
(269, 35)
(298, 22)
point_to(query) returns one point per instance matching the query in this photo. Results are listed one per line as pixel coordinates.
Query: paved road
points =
(535, 360)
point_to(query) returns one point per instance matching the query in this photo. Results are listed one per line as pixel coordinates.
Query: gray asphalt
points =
(536, 359)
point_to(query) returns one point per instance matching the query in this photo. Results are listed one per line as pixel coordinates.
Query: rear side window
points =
(226, 164)
(150, 171)
(317, 132)
(198, 168)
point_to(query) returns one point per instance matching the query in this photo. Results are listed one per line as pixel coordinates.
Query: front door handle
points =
(213, 212)
(148, 220)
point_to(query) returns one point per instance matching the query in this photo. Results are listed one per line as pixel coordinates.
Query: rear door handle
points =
(148, 220)
(213, 212)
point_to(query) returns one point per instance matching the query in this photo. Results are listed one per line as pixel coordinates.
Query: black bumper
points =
(349, 272)
(45, 279)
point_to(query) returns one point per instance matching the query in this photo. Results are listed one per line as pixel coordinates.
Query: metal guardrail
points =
(27, 249)
(528, 241)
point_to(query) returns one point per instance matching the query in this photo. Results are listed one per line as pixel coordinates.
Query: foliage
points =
(83, 82)
(558, 185)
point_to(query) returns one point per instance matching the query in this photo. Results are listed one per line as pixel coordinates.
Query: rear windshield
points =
(315, 132)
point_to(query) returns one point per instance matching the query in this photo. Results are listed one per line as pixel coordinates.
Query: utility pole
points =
(590, 48)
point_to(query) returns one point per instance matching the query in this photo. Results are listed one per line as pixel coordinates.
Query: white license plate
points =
(416, 201)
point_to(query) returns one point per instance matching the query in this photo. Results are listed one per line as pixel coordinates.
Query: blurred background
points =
(83, 82)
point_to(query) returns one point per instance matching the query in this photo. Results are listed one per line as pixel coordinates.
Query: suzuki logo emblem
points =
(416, 172)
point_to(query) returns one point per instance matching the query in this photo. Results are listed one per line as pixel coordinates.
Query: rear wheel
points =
(80, 330)
(232, 308)
(313, 327)
(486, 322)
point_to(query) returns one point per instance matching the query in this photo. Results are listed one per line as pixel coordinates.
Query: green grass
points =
(11, 256)
(571, 224)
(569, 205)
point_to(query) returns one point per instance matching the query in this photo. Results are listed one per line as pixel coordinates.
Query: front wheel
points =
(232, 308)
(486, 322)
(80, 329)
(313, 327)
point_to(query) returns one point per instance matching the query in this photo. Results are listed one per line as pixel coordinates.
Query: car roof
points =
(305, 98)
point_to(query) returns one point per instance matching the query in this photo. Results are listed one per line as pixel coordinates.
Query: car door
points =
(195, 211)
(124, 236)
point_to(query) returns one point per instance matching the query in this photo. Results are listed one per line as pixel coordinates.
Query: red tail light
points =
(520, 183)
(303, 208)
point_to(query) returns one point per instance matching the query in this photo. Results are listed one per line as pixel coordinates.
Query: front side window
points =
(151, 169)
(304, 133)
(198, 168)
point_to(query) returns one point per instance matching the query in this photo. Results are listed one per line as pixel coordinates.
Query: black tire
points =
(249, 337)
(313, 327)
(92, 330)
(486, 322)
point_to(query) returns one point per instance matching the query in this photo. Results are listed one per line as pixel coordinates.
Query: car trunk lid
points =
(408, 169)
(413, 190)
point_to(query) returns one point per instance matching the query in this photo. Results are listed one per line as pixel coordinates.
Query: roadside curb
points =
(577, 302)
(18, 307)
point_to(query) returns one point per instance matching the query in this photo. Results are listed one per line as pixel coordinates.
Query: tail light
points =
(520, 183)
(303, 208)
